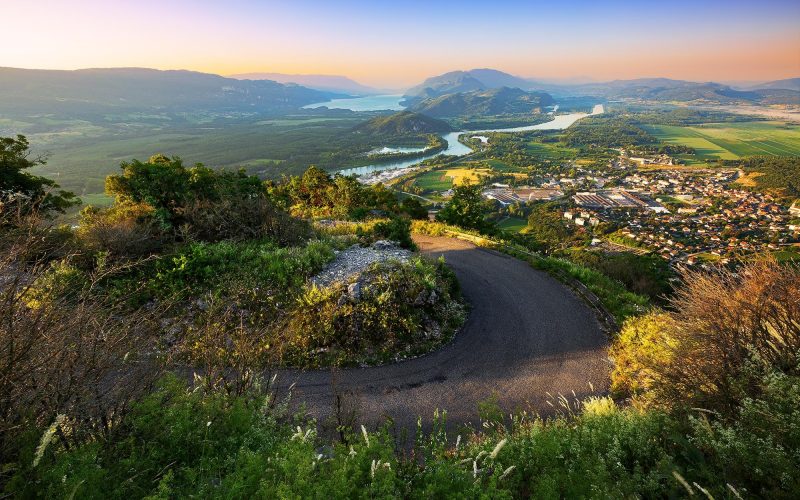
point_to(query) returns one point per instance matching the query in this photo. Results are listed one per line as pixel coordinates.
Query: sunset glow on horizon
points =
(397, 45)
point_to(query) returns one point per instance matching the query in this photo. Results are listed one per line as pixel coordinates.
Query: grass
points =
(434, 180)
(513, 224)
(550, 151)
(749, 179)
(731, 141)
(97, 199)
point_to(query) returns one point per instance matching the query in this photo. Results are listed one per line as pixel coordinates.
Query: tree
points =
(547, 228)
(173, 189)
(466, 209)
(414, 209)
(24, 191)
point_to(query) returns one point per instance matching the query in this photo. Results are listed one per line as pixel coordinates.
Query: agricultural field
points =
(731, 141)
(433, 180)
(550, 151)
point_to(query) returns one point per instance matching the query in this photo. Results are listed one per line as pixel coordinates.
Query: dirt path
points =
(526, 335)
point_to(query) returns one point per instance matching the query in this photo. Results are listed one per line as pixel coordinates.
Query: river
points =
(455, 148)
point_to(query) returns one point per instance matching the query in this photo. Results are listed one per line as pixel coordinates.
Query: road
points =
(526, 335)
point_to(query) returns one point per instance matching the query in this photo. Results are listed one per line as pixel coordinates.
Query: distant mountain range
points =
(331, 83)
(786, 84)
(404, 122)
(497, 101)
(91, 91)
(649, 89)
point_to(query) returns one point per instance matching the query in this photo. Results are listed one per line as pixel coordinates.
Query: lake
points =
(366, 103)
(455, 148)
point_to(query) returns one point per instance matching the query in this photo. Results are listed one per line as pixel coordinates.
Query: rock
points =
(355, 260)
(201, 304)
(432, 298)
(354, 290)
(383, 245)
(421, 298)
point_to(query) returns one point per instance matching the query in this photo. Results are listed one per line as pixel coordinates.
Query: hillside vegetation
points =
(207, 269)
(84, 93)
(404, 122)
(484, 103)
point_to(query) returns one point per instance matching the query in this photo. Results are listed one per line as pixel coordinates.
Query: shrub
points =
(400, 310)
(721, 321)
(121, 232)
(397, 229)
(66, 352)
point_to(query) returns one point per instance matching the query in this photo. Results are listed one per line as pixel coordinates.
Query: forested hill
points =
(91, 91)
(404, 122)
(483, 103)
(466, 81)
(665, 89)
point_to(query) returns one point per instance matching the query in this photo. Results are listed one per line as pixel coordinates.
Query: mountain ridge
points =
(97, 90)
(330, 83)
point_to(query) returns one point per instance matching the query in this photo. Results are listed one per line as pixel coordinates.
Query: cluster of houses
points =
(712, 219)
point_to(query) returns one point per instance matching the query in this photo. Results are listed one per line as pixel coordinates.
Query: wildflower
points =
(365, 434)
(47, 437)
(497, 448)
(683, 482)
(506, 472)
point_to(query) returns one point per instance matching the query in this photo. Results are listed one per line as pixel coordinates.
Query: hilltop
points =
(500, 101)
(466, 81)
(404, 122)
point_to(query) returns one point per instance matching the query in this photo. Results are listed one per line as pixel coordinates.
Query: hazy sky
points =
(396, 44)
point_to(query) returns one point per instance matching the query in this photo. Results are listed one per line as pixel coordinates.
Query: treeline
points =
(606, 131)
(776, 172)
(682, 116)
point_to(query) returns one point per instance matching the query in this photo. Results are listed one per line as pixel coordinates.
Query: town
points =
(685, 216)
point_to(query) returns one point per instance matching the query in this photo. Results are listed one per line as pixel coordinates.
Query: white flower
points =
(497, 448)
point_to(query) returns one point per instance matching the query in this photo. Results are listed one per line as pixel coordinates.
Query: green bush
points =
(197, 268)
(400, 310)
(396, 229)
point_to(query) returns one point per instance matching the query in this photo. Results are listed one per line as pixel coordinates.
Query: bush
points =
(65, 354)
(399, 310)
(721, 322)
(122, 232)
(396, 229)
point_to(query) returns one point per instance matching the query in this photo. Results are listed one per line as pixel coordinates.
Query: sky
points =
(398, 44)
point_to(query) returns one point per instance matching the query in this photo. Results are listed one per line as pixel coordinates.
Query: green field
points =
(435, 180)
(731, 141)
(513, 224)
(550, 150)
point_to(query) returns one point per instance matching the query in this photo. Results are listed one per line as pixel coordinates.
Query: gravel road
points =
(526, 335)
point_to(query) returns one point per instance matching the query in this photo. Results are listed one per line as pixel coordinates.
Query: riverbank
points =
(383, 172)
